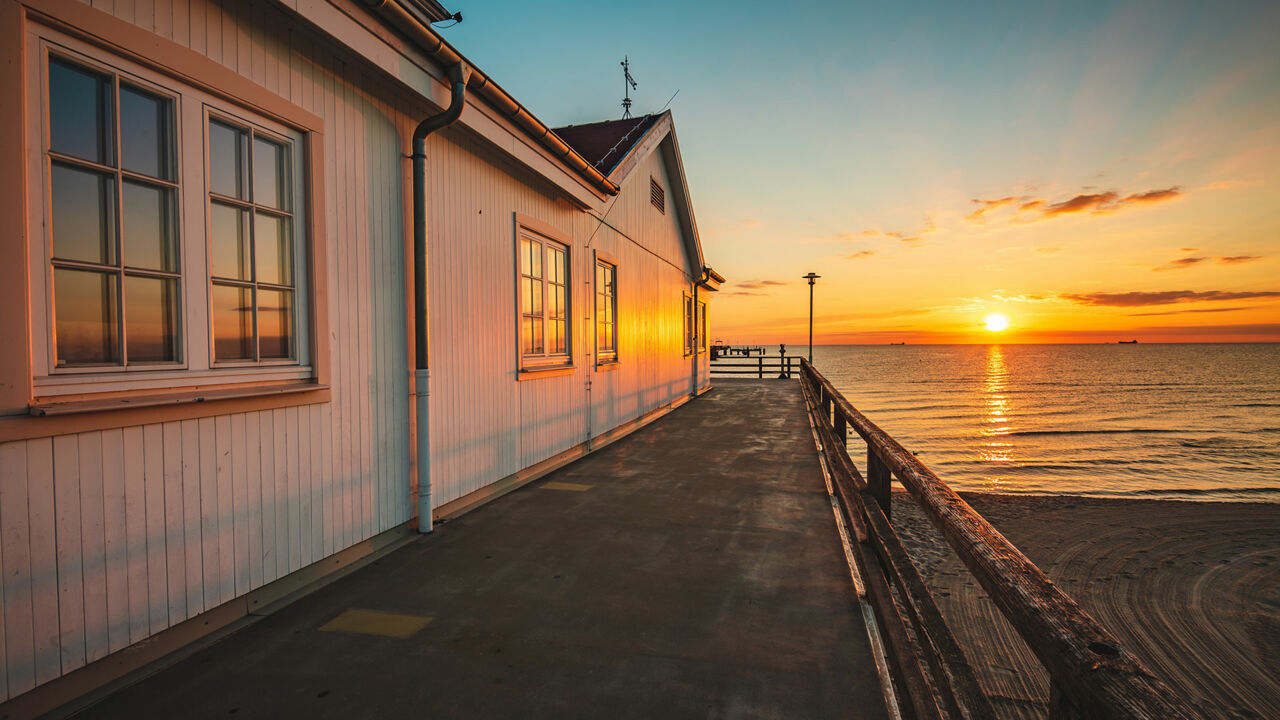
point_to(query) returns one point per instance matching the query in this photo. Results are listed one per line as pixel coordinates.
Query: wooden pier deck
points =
(692, 569)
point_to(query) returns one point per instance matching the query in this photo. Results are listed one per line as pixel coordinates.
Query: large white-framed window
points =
(544, 296)
(606, 292)
(128, 256)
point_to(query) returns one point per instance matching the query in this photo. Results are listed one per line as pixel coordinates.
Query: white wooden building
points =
(211, 392)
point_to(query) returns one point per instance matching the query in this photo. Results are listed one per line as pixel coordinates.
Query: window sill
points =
(46, 418)
(535, 373)
(607, 365)
(45, 407)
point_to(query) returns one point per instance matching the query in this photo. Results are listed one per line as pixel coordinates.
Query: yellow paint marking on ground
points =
(572, 487)
(376, 622)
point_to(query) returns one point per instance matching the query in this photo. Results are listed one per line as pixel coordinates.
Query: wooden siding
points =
(486, 423)
(109, 537)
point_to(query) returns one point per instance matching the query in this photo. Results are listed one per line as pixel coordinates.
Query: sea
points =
(1177, 421)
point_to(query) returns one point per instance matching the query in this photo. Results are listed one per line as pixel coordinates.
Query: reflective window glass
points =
(86, 309)
(150, 237)
(80, 112)
(84, 215)
(145, 133)
(151, 319)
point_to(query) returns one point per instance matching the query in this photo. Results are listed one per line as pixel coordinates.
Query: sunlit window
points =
(702, 326)
(251, 242)
(689, 324)
(544, 301)
(113, 201)
(606, 312)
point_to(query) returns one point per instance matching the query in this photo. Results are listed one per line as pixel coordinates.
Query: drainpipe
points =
(422, 373)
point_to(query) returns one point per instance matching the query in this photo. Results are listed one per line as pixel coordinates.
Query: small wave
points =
(1257, 404)
(1032, 433)
(1222, 443)
(1198, 492)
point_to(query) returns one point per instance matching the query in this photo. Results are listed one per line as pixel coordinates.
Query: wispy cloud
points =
(1154, 196)
(985, 206)
(758, 284)
(1091, 202)
(1188, 310)
(1081, 203)
(1180, 263)
(1163, 297)
(902, 235)
(1187, 262)
(860, 254)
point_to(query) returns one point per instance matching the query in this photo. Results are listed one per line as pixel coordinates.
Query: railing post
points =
(760, 366)
(878, 477)
(842, 429)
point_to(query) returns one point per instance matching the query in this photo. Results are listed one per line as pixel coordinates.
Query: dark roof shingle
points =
(604, 144)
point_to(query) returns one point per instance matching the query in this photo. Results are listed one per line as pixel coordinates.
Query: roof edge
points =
(403, 19)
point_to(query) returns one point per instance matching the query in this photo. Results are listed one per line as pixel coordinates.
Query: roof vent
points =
(657, 195)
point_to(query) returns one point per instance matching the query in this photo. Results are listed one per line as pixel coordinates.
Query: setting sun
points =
(996, 322)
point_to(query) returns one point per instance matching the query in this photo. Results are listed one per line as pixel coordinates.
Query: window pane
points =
(84, 215)
(269, 174)
(535, 260)
(227, 149)
(557, 301)
(151, 319)
(145, 137)
(558, 336)
(275, 323)
(526, 257)
(535, 326)
(534, 306)
(86, 312)
(232, 323)
(229, 238)
(556, 258)
(149, 237)
(80, 112)
(274, 249)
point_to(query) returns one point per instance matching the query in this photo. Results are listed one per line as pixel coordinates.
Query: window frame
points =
(689, 331)
(700, 325)
(88, 397)
(610, 357)
(546, 236)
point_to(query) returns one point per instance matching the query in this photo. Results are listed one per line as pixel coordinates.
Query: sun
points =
(997, 322)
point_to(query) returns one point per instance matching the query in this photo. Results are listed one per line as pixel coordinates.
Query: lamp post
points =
(811, 277)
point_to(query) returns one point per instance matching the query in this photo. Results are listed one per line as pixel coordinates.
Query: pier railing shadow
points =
(1091, 674)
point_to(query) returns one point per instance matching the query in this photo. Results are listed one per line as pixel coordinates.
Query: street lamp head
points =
(811, 277)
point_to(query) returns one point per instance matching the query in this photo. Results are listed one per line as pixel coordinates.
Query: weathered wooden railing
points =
(1091, 674)
(761, 366)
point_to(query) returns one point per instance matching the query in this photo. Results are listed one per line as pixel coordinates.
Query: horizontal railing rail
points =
(1091, 674)
(761, 366)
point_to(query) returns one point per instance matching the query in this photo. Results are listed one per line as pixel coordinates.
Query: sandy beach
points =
(1193, 588)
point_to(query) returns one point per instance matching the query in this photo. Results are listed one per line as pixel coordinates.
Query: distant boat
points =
(901, 343)
(1128, 342)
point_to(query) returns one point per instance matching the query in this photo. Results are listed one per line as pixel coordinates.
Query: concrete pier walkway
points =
(690, 570)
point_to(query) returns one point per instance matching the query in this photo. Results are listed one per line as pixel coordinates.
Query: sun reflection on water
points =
(995, 449)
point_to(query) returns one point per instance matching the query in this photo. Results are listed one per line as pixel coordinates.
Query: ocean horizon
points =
(1189, 421)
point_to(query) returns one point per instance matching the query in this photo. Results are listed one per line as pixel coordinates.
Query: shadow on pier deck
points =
(692, 569)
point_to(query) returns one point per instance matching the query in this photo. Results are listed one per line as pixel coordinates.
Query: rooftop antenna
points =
(628, 84)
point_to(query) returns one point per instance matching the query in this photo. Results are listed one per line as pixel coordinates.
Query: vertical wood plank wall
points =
(109, 537)
(486, 424)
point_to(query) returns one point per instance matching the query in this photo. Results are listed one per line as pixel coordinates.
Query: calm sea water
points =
(1189, 421)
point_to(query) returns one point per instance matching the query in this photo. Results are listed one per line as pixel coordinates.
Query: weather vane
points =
(628, 84)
